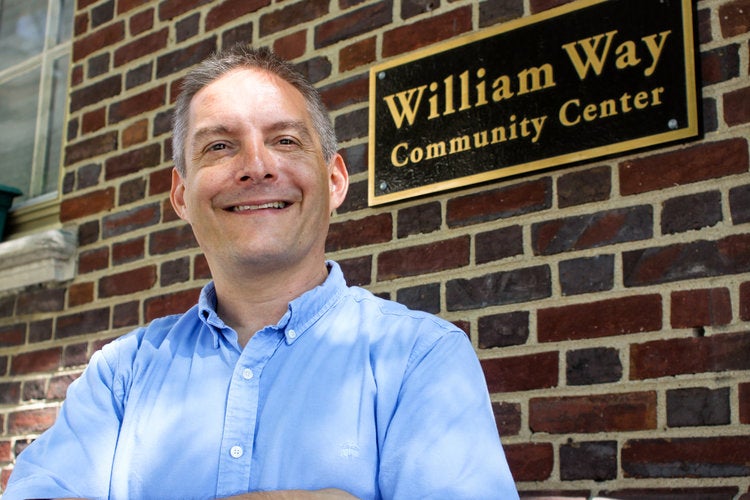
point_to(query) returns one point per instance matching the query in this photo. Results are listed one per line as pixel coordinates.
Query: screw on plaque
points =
(381, 75)
(383, 185)
(672, 124)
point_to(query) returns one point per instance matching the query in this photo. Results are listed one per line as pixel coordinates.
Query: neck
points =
(249, 301)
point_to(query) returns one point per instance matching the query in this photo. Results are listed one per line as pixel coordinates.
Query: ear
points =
(177, 195)
(338, 181)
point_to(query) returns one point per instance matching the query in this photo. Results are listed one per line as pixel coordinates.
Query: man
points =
(282, 382)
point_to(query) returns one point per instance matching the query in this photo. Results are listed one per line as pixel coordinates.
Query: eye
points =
(287, 141)
(217, 147)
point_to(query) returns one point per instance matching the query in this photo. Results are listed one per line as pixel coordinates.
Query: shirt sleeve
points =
(73, 458)
(442, 441)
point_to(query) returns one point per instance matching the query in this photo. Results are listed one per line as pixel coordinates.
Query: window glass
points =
(57, 117)
(22, 30)
(35, 40)
(18, 98)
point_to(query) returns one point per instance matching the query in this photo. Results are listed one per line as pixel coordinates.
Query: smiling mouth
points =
(263, 206)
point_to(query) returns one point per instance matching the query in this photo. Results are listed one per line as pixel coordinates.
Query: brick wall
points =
(609, 302)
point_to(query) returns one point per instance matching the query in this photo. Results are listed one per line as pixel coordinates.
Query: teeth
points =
(274, 204)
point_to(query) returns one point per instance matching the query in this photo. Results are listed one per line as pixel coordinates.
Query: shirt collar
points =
(301, 314)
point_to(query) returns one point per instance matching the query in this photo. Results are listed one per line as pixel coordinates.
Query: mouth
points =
(263, 206)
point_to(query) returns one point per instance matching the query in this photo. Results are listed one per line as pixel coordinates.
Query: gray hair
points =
(240, 56)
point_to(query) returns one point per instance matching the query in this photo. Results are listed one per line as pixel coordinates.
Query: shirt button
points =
(292, 334)
(236, 451)
(247, 374)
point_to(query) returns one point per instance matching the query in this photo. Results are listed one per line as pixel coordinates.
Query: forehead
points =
(251, 92)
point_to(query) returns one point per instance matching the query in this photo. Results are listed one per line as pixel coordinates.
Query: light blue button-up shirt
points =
(347, 391)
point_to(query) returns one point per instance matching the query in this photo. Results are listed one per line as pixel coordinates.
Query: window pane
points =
(22, 26)
(56, 121)
(18, 102)
(65, 21)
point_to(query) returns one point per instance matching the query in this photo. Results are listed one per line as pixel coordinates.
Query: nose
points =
(256, 165)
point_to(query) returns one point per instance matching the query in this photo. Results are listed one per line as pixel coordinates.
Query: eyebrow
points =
(298, 126)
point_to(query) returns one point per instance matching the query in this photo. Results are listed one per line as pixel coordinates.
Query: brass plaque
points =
(585, 80)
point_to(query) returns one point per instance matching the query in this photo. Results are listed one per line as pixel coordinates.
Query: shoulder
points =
(390, 323)
(146, 338)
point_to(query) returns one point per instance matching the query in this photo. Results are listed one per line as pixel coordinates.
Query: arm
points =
(442, 440)
(74, 457)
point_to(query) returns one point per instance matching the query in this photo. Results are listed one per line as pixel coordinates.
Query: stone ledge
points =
(47, 256)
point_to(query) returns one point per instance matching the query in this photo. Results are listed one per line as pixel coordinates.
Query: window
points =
(35, 41)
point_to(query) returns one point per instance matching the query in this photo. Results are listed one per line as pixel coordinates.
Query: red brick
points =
(200, 268)
(127, 282)
(291, 46)
(93, 260)
(58, 386)
(685, 493)
(521, 373)
(229, 10)
(503, 287)
(46, 360)
(5, 450)
(428, 31)
(704, 457)
(95, 93)
(174, 303)
(139, 22)
(542, 5)
(507, 418)
(141, 47)
(136, 133)
(581, 232)
(352, 24)
(744, 406)
(720, 64)
(184, 57)
(12, 335)
(171, 240)
(358, 270)
(100, 39)
(530, 461)
(424, 259)
(44, 300)
(605, 318)
(705, 161)
(169, 9)
(683, 261)
(87, 204)
(80, 293)
(737, 107)
(292, 15)
(591, 414)
(668, 358)
(346, 93)
(499, 203)
(360, 232)
(357, 54)
(707, 307)
(129, 251)
(31, 421)
(132, 161)
(93, 120)
(745, 301)
(734, 18)
(89, 321)
(88, 148)
(138, 105)
(160, 182)
(125, 221)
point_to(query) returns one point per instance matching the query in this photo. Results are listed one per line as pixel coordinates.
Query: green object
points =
(7, 193)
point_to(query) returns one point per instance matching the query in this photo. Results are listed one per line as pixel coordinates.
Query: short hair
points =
(241, 56)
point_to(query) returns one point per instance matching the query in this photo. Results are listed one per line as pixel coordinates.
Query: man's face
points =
(256, 190)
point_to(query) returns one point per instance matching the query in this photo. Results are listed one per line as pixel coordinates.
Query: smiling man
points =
(282, 382)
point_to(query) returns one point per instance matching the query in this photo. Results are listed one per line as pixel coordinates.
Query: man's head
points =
(238, 57)
(255, 176)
